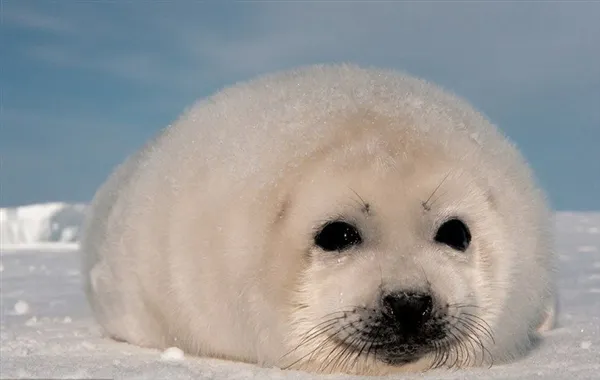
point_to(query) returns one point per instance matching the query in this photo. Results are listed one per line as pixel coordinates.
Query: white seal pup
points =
(332, 219)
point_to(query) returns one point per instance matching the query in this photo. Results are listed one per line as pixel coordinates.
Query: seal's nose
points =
(408, 310)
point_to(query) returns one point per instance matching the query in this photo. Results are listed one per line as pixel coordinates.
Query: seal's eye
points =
(455, 234)
(337, 236)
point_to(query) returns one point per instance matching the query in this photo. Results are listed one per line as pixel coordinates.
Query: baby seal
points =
(332, 218)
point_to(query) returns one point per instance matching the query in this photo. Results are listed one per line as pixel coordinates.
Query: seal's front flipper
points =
(549, 316)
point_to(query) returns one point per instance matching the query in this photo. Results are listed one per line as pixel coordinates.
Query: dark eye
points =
(337, 236)
(455, 234)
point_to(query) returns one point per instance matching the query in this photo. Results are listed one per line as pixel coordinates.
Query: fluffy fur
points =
(205, 238)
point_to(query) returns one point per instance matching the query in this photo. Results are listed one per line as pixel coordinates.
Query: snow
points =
(172, 353)
(21, 308)
(57, 338)
(40, 224)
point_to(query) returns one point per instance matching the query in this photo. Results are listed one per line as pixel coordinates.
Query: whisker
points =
(346, 346)
(351, 351)
(438, 348)
(326, 341)
(480, 329)
(440, 195)
(477, 323)
(467, 339)
(365, 206)
(364, 345)
(314, 332)
(463, 305)
(373, 344)
(484, 350)
(317, 348)
(461, 349)
(343, 340)
(481, 323)
(426, 204)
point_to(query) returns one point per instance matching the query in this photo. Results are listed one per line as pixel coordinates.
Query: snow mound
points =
(41, 223)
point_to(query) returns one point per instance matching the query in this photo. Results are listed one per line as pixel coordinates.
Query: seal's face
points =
(397, 262)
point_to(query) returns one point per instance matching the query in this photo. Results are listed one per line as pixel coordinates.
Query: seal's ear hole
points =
(337, 236)
(455, 234)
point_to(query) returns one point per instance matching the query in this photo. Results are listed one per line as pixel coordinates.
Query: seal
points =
(331, 218)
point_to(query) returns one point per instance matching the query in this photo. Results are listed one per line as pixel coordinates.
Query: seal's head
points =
(409, 256)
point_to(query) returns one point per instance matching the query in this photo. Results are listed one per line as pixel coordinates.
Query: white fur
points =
(203, 239)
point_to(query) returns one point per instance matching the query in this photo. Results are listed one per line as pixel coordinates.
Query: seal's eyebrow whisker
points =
(426, 204)
(365, 206)
(381, 284)
(425, 277)
(442, 193)
(439, 196)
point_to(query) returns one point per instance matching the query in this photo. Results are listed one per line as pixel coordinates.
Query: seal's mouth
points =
(388, 341)
(361, 336)
(399, 361)
(448, 340)
(405, 327)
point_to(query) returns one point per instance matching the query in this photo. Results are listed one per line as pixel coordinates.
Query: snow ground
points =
(47, 330)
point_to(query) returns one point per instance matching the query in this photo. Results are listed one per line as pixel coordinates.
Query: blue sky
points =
(85, 83)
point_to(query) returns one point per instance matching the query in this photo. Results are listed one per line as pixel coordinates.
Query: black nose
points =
(408, 310)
